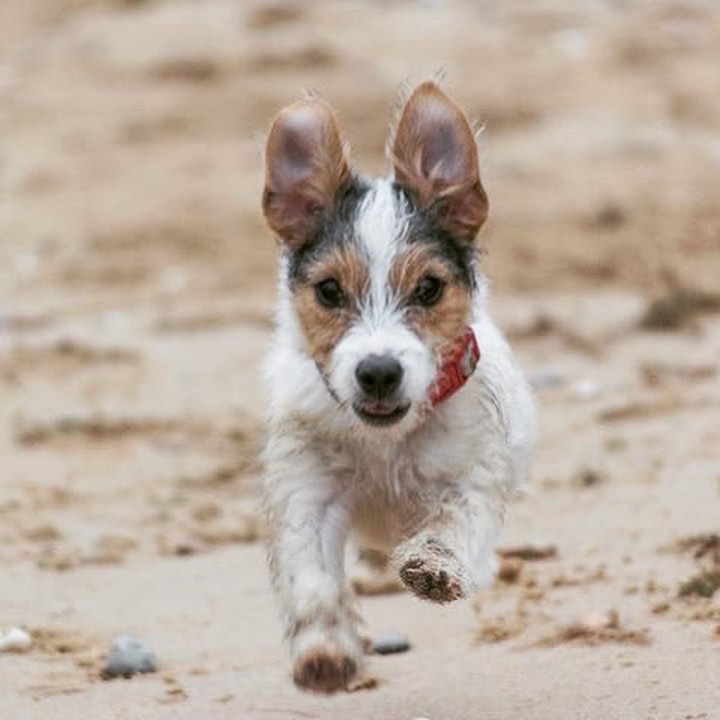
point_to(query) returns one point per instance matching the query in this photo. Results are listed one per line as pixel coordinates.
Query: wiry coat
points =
(430, 489)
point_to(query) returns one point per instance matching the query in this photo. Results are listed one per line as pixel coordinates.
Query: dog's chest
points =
(384, 500)
(388, 492)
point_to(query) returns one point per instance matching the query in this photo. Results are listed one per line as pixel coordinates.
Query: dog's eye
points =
(330, 294)
(428, 291)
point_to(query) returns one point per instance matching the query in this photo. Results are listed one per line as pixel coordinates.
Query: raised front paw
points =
(324, 670)
(433, 573)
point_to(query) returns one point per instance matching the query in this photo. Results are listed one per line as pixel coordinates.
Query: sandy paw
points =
(324, 671)
(435, 576)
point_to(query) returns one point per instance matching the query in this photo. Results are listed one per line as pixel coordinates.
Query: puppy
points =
(397, 409)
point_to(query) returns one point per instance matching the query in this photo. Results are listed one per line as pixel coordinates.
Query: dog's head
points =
(381, 271)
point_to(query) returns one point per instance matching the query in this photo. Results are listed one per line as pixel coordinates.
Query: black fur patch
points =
(335, 229)
(337, 226)
(426, 228)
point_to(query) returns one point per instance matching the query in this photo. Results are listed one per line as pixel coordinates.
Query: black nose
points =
(379, 376)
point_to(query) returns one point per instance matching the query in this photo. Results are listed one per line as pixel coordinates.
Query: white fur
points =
(380, 232)
(439, 478)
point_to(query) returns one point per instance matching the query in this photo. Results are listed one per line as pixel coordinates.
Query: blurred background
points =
(136, 293)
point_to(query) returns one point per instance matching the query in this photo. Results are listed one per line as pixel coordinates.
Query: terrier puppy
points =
(397, 409)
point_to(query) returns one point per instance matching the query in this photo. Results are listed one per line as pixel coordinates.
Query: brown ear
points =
(435, 158)
(305, 167)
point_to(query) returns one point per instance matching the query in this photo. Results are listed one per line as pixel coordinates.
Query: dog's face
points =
(381, 271)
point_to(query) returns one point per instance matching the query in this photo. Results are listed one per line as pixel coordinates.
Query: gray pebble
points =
(129, 656)
(547, 378)
(586, 389)
(15, 639)
(390, 643)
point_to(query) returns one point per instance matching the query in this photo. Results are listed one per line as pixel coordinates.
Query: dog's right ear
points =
(305, 167)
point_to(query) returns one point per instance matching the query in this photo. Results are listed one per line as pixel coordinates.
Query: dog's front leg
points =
(452, 553)
(309, 524)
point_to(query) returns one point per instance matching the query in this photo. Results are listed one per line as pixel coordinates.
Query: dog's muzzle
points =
(379, 378)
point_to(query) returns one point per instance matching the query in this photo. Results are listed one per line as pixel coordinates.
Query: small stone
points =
(595, 621)
(128, 656)
(15, 639)
(547, 379)
(390, 643)
(586, 389)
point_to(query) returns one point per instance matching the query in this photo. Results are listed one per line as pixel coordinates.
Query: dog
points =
(397, 410)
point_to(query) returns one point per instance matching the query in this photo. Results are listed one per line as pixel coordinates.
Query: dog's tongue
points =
(380, 408)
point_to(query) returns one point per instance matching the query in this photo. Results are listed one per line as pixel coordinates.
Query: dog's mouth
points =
(380, 414)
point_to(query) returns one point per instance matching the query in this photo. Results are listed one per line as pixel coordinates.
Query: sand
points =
(136, 291)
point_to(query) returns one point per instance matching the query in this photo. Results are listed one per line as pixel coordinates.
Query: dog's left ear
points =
(435, 159)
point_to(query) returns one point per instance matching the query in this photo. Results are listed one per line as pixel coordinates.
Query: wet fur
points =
(430, 491)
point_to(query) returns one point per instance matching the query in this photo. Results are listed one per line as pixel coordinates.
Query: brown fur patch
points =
(435, 156)
(305, 166)
(441, 324)
(324, 670)
(324, 328)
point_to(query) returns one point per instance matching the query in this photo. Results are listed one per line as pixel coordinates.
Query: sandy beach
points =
(137, 284)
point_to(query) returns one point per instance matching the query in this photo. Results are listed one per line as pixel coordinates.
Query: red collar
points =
(457, 368)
